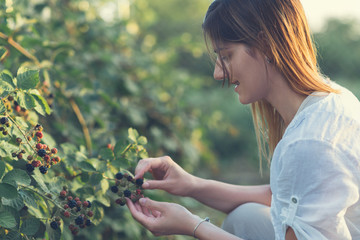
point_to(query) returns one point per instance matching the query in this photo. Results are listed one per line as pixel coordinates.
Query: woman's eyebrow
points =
(219, 49)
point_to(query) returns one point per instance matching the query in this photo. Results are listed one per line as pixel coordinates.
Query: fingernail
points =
(142, 201)
(145, 185)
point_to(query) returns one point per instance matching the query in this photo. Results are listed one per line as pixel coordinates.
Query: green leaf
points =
(8, 191)
(27, 79)
(133, 134)
(53, 234)
(29, 101)
(7, 220)
(17, 176)
(6, 81)
(13, 235)
(95, 178)
(79, 156)
(16, 203)
(28, 197)
(42, 107)
(2, 168)
(39, 179)
(106, 154)
(85, 166)
(142, 140)
(2, 107)
(30, 226)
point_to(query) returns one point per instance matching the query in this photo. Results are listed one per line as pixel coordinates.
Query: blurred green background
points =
(143, 64)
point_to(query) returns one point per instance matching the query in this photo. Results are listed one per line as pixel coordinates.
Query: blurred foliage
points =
(111, 65)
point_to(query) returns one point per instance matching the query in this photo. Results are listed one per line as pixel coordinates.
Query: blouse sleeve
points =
(315, 187)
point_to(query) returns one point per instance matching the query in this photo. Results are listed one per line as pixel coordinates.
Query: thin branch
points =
(17, 46)
(83, 124)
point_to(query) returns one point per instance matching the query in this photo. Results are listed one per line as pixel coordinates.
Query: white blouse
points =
(315, 170)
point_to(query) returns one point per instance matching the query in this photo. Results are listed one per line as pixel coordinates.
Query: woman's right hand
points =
(168, 175)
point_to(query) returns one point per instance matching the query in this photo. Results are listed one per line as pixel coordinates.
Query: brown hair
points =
(278, 28)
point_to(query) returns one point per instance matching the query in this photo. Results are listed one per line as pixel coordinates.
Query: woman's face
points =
(247, 71)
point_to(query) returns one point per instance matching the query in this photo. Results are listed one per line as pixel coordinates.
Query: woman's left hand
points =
(163, 218)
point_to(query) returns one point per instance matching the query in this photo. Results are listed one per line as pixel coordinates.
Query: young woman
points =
(308, 125)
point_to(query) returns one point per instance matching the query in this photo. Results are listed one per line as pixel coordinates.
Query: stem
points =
(46, 198)
(18, 127)
(20, 48)
(83, 124)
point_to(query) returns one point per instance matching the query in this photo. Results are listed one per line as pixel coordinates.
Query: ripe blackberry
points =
(43, 169)
(72, 203)
(54, 225)
(42, 152)
(120, 201)
(129, 178)
(89, 204)
(4, 120)
(79, 220)
(29, 167)
(119, 176)
(139, 182)
(88, 222)
(127, 193)
(114, 189)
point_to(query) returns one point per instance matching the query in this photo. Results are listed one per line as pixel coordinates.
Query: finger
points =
(147, 165)
(155, 184)
(152, 205)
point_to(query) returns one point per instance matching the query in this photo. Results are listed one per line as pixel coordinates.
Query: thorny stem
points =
(46, 198)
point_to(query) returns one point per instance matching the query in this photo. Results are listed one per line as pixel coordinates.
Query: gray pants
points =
(250, 221)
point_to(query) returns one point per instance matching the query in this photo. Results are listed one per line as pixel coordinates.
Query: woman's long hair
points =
(279, 29)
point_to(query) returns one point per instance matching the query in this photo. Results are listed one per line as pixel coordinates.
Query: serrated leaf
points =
(30, 226)
(133, 134)
(2, 168)
(17, 176)
(28, 197)
(29, 101)
(42, 106)
(8, 191)
(53, 234)
(106, 154)
(6, 81)
(14, 235)
(39, 179)
(142, 140)
(86, 166)
(2, 107)
(7, 220)
(27, 79)
(16, 203)
(95, 178)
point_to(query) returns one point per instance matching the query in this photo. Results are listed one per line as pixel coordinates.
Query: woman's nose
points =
(218, 71)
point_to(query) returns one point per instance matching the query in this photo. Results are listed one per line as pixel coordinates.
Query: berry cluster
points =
(127, 187)
(75, 210)
(4, 124)
(43, 157)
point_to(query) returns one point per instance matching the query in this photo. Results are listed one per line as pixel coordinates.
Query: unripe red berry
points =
(69, 198)
(90, 213)
(63, 193)
(39, 134)
(66, 206)
(54, 150)
(35, 163)
(18, 140)
(47, 158)
(29, 157)
(85, 204)
(17, 108)
(78, 203)
(39, 146)
(77, 199)
(20, 156)
(66, 214)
